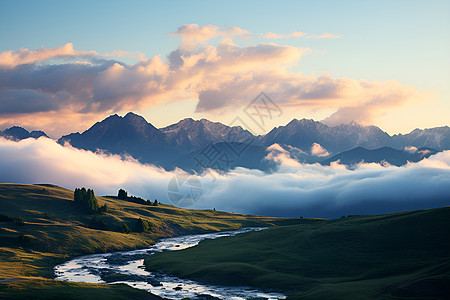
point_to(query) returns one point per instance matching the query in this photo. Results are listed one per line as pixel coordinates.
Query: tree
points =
(122, 194)
(142, 225)
(83, 194)
(77, 196)
(155, 203)
(92, 203)
(85, 200)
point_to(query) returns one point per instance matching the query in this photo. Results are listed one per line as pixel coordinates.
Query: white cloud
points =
(410, 149)
(318, 150)
(294, 190)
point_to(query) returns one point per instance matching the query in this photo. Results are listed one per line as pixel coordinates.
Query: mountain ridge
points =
(18, 133)
(133, 135)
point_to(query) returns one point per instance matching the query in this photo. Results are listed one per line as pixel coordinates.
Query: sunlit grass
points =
(399, 255)
(56, 230)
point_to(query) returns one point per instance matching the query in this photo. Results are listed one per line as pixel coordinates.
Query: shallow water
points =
(128, 267)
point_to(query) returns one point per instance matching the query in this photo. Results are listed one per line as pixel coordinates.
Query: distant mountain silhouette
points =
(18, 133)
(303, 133)
(189, 134)
(224, 156)
(380, 155)
(436, 138)
(180, 144)
(130, 134)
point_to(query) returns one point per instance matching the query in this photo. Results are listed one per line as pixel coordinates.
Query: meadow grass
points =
(54, 230)
(392, 256)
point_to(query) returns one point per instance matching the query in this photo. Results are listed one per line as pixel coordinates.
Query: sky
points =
(65, 65)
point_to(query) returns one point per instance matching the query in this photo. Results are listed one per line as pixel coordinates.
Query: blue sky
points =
(406, 41)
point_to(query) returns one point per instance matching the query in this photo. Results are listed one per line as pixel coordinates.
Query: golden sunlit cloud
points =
(325, 35)
(221, 77)
(271, 35)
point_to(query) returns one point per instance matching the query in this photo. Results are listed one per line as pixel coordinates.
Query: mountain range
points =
(17, 133)
(197, 144)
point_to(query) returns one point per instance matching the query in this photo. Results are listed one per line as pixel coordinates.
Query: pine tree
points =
(86, 200)
(122, 194)
(77, 196)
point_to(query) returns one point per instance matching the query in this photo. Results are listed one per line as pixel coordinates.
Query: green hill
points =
(392, 256)
(53, 230)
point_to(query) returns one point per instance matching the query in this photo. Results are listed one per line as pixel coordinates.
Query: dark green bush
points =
(125, 228)
(18, 221)
(141, 225)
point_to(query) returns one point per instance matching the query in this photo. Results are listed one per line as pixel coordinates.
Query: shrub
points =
(142, 225)
(103, 209)
(18, 221)
(125, 228)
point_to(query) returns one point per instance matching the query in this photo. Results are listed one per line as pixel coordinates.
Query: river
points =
(128, 267)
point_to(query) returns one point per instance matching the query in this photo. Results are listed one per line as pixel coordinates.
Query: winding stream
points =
(128, 267)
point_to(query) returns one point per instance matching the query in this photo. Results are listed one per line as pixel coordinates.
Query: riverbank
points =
(53, 231)
(127, 267)
(390, 256)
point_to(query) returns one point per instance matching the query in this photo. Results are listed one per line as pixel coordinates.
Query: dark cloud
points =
(26, 101)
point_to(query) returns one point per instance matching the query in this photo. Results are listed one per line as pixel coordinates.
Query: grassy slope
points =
(59, 231)
(392, 256)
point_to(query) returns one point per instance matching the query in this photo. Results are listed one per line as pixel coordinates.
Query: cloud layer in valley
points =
(63, 83)
(293, 190)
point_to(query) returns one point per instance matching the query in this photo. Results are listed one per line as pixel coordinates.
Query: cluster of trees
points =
(123, 195)
(17, 220)
(140, 226)
(85, 200)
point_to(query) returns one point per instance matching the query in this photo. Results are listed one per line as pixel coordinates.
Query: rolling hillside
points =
(392, 256)
(54, 230)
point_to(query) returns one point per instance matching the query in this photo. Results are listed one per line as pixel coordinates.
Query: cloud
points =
(411, 149)
(66, 83)
(11, 59)
(271, 35)
(194, 34)
(325, 35)
(293, 190)
(369, 100)
(318, 150)
(424, 152)
(45, 161)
